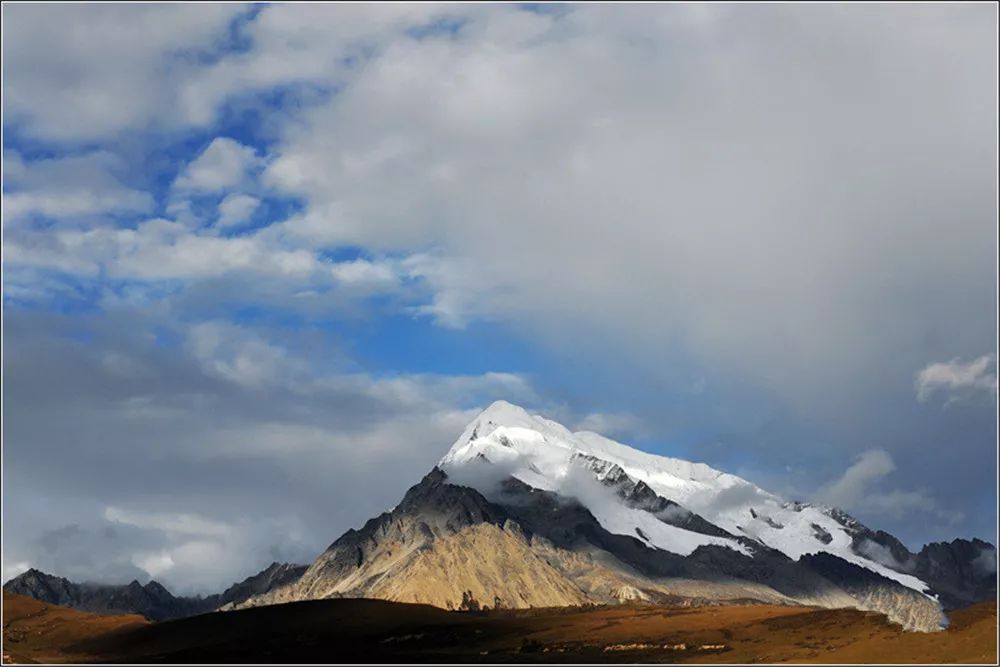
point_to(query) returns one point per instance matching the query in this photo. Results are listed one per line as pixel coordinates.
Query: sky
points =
(263, 263)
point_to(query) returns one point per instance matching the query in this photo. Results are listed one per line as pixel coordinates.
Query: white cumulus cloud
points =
(236, 209)
(223, 164)
(76, 72)
(956, 379)
(68, 187)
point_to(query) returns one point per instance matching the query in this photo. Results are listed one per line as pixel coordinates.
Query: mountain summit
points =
(506, 441)
(523, 512)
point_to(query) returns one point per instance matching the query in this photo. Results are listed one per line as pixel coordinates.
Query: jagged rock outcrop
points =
(45, 587)
(152, 600)
(961, 572)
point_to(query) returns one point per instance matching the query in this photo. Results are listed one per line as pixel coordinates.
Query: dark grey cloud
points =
(799, 199)
(90, 73)
(124, 455)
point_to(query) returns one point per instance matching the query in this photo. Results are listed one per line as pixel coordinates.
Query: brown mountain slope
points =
(490, 565)
(447, 545)
(36, 631)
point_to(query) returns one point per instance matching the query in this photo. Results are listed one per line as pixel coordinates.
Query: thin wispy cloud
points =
(863, 486)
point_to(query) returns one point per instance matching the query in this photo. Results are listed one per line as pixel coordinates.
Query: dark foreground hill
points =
(378, 631)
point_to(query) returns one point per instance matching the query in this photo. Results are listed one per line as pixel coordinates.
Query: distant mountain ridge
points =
(151, 600)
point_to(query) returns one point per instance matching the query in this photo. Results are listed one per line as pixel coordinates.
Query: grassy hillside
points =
(378, 631)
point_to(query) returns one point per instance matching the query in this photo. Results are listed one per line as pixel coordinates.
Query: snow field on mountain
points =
(507, 441)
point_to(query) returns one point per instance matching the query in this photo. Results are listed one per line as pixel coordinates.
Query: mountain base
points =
(376, 631)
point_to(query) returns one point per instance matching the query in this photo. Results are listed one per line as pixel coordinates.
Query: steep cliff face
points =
(900, 604)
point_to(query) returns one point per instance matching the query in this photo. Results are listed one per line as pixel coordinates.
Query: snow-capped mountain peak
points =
(525, 512)
(506, 441)
(501, 414)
